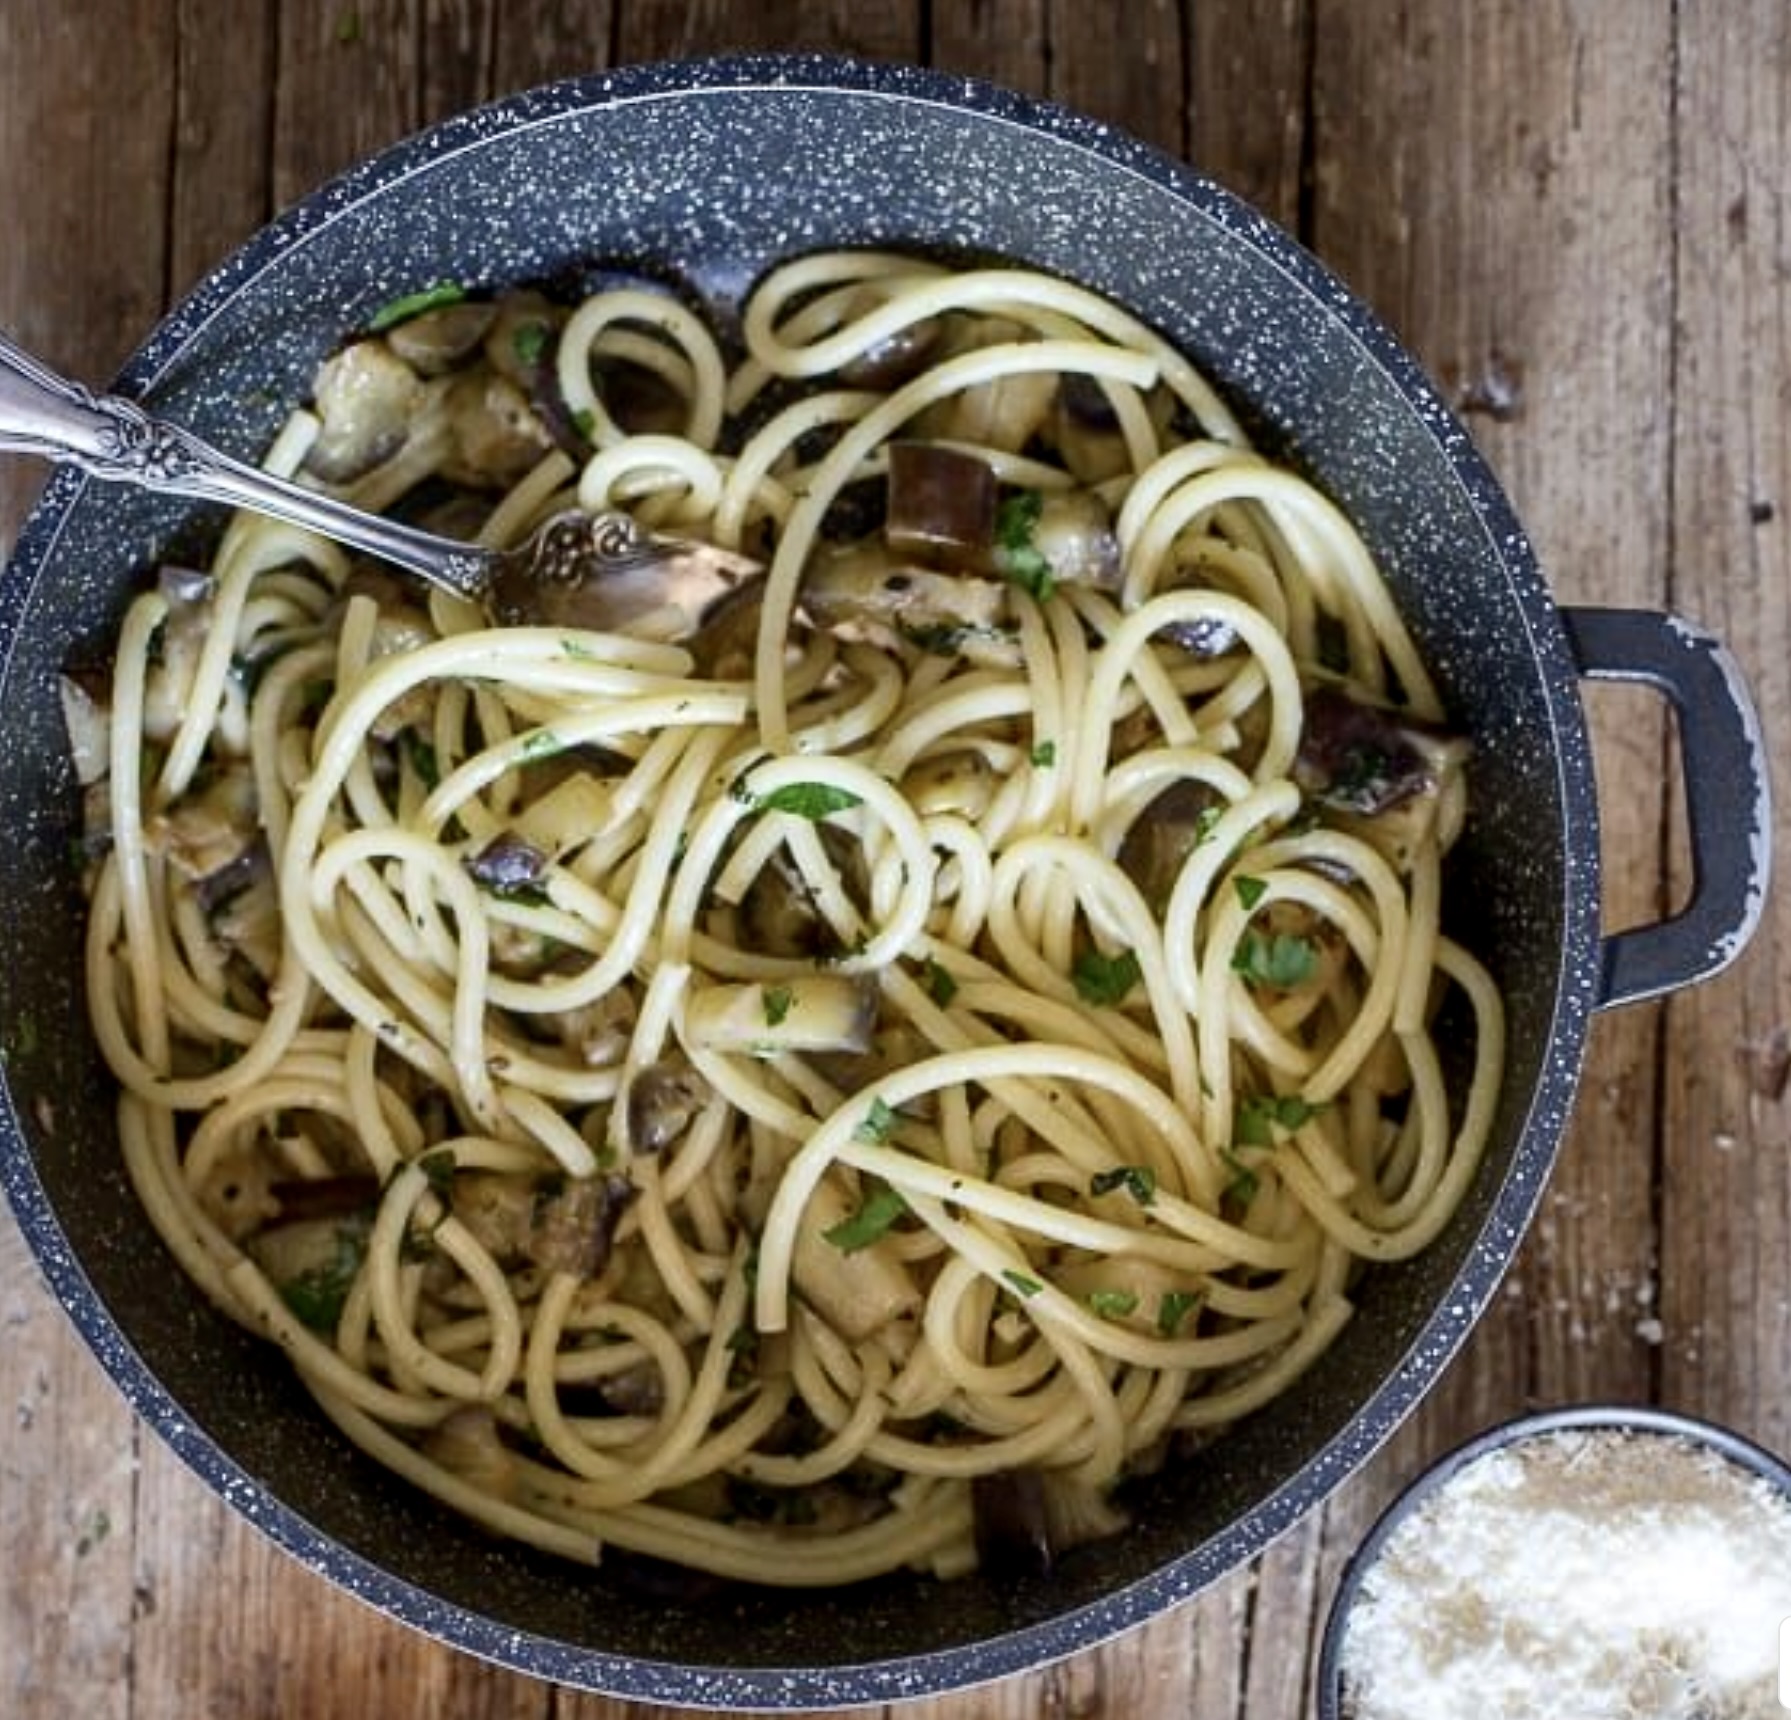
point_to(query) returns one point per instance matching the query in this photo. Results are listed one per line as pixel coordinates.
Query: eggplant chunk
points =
(1159, 840)
(442, 339)
(864, 594)
(809, 1012)
(663, 1100)
(898, 357)
(366, 398)
(857, 1291)
(87, 718)
(780, 916)
(941, 506)
(209, 830)
(1378, 773)
(469, 1444)
(497, 437)
(1074, 533)
(1026, 1518)
(559, 1224)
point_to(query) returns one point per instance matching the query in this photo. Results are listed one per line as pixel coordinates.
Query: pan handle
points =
(1722, 757)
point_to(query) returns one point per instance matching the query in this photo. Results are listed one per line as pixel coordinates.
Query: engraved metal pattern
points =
(135, 445)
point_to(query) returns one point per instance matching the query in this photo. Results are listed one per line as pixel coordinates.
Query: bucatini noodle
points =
(861, 1059)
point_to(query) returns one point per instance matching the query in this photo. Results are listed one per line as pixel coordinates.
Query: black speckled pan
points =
(707, 173)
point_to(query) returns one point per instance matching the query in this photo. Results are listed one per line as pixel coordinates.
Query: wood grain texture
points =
(1575, 215)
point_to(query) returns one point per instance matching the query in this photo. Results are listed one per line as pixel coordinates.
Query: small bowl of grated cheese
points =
(1600, 1563)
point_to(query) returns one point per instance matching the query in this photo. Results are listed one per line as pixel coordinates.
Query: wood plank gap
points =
(1306, 178)
(1660, 1099)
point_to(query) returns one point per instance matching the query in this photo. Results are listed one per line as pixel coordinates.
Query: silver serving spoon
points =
(601, 571)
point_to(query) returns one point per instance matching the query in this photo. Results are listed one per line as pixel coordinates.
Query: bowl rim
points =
(1485, 1257)
(1651, 1421)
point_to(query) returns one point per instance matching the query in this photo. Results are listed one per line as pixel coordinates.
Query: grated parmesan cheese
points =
(1585, 1574)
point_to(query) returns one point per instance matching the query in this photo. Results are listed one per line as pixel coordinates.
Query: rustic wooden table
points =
(1576, 215)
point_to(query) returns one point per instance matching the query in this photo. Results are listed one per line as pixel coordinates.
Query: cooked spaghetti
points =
(837, 1061)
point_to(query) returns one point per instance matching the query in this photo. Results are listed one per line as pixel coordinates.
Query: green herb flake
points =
(542, 743)
(1016, 554)
(1244, 1180)
(348, 27)
(1021, 1284)
(777, 1000)
(317, 1296)
(1206, 822)
(1102, 979)
(408, 305)
(420, 755)
(1113, 1304)
(584, 421)
(1250, 891)
(1139, 1181)
(529, 342)
(811, 800)
(941, 987)
(1173, 1308)
(876, 1125)
(1259, 1117)
(877, 1212)
(578, 651)
(1282, 960)
(1044, 755)
(438, 1170)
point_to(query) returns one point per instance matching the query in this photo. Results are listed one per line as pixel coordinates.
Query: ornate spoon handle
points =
(113, 438)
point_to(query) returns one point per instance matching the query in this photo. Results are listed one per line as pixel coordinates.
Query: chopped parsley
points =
(1044, 755)
(1173, 1308)
(941, 987)
(1279, 959)
(1244, 1180)
(876, 1125)
(1019, 1282)
(811, 800)
(1259, 1117)
(1103, 979)
(1250, 890)
(318, 1294)
(778, 999)
(877, 1212)
(438, 1170)
(1113, 1304)
(1018, 557)
(1139, 1181)
(529, 342)
(542, 743)
(408, 305)
(420, 755)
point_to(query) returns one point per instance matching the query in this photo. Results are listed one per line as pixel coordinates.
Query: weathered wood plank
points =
(1250, 82)
(683, 29)
(83, 174)
(1726, 1262)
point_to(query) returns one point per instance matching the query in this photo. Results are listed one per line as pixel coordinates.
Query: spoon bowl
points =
(600, 571)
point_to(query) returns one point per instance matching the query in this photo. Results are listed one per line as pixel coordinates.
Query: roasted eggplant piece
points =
(941, 506)
(805, 1013)
(1159, 840)
(367, 400)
